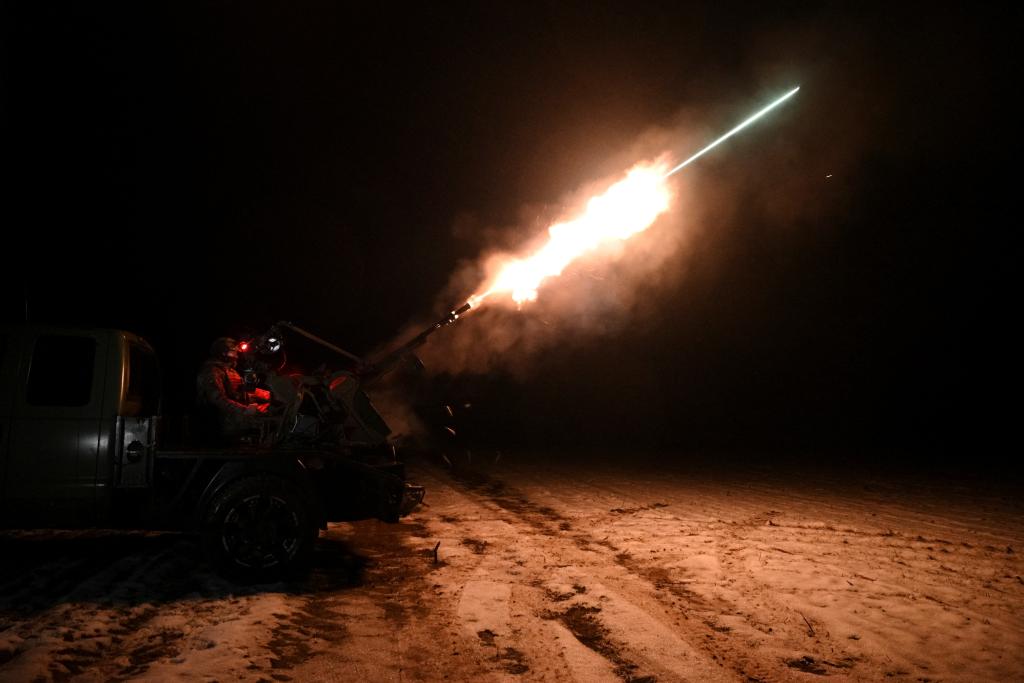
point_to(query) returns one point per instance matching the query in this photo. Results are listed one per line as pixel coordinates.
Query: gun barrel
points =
(318, 340)
(391, 359)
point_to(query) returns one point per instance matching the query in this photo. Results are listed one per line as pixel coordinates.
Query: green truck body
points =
(83, 444)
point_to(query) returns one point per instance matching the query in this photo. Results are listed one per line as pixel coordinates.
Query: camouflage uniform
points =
(220, 397)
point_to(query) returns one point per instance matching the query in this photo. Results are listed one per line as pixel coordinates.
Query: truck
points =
(84, 444)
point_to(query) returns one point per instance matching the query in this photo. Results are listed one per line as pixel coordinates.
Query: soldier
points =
(221, 399)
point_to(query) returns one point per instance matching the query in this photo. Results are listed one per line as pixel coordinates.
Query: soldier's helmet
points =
(224, 348)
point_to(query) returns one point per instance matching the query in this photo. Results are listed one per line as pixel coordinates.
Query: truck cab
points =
(61, 391)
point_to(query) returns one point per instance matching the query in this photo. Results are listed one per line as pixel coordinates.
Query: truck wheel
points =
(259, 529)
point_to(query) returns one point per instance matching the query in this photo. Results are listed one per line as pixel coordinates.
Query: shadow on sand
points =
(43, 569)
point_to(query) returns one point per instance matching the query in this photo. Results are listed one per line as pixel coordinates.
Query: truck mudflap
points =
(411, 497)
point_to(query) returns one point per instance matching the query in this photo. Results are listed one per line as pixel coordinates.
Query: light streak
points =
(628, 207)
(735, 130)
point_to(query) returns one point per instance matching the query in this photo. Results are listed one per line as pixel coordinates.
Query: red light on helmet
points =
(243, 347)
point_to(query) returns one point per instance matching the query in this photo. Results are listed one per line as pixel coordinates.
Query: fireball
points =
(628, 207)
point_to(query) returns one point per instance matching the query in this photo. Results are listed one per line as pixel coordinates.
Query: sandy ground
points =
(550, 571)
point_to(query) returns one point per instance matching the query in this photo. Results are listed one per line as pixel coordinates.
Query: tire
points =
(259, 529)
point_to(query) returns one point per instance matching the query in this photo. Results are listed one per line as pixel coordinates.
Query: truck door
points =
(56, 430)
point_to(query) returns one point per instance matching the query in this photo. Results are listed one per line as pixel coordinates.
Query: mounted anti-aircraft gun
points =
(327, 407)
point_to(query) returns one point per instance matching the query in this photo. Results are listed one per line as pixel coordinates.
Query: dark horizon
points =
(190, 172)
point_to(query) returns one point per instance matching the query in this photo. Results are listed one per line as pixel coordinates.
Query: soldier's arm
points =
(215, 391)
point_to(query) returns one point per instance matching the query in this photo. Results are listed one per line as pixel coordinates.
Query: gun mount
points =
(327, 407)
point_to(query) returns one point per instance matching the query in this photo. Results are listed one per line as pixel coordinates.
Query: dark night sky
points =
(186, 171)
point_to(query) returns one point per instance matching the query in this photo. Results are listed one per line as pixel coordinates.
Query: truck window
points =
(61, 371)
(143, 380)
